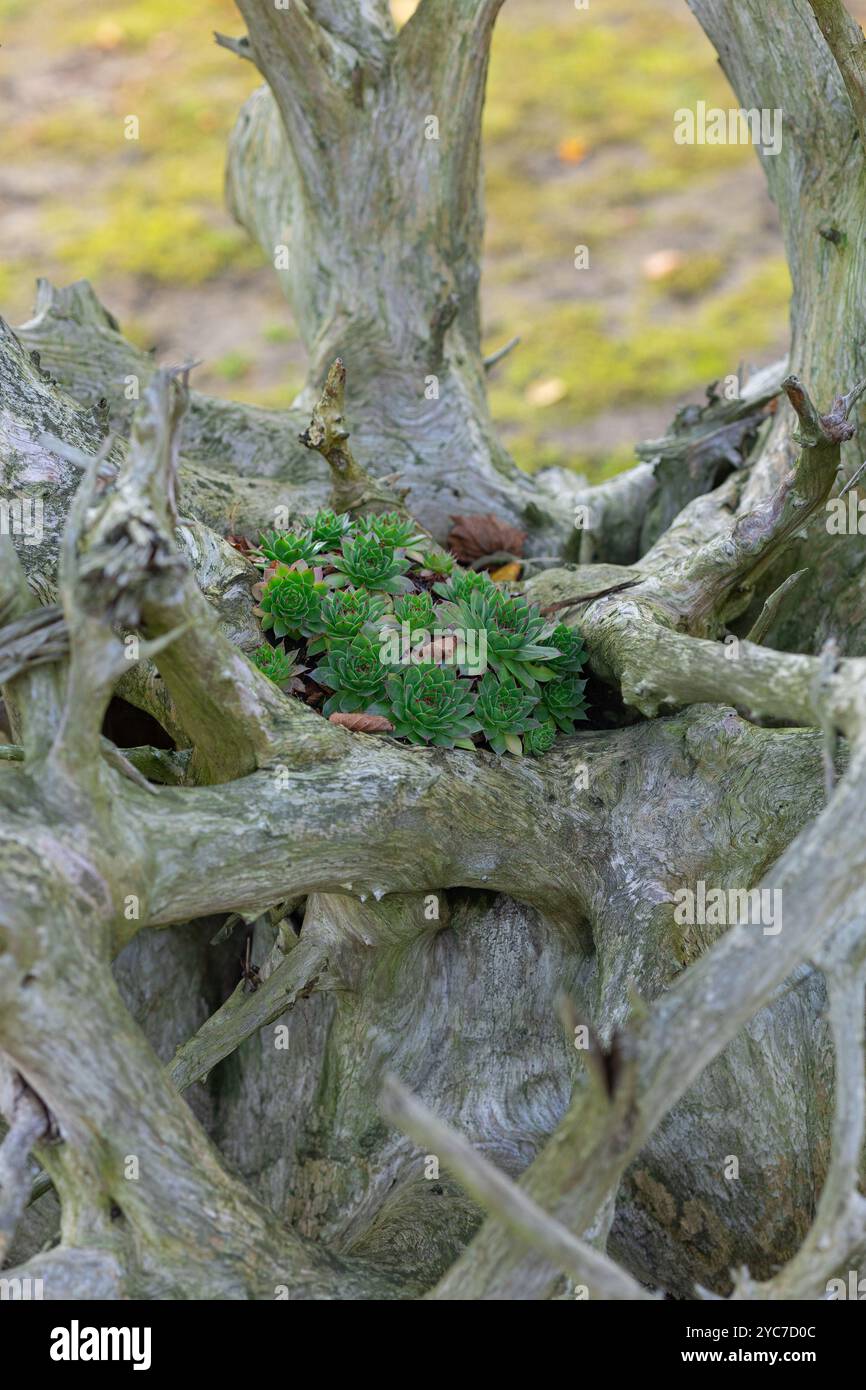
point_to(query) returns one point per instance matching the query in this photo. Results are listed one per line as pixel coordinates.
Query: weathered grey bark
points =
(450, 899)
(775, 58)
(361, 159)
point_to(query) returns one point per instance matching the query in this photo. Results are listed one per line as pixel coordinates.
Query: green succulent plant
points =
(356, 674)
(511, 629)
(439, 561)
(369, 564)
(351, 622)
(463, 583)
(572, 653)
(539, 740)
(291, 603)
(344, 614)
(328, 528)
(391, 529)
(504, 711)
(431, 704)
(280, 667)
(562, 700)
(415, 609)
(287, 547)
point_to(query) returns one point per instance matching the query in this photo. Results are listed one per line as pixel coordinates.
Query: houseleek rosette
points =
(414, 609)
(562, 701)
(504, 710)
(356, 674)
(463, 583)
(291, 603)
(569, 644)
(431, 704)
(391, 529)
(539, 740)
(344, 614)
(280, 667)
(328, 528)
(512, 629)
(367, 563)
(287, 547)
(437, 561)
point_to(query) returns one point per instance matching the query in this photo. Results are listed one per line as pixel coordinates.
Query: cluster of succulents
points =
(280, 667)
(348, 593)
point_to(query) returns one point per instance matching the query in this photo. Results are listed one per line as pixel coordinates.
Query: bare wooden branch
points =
(354, 489)
(288, 979)
(78, 340)
(240, 47)
(309, 71)
(845, 41)
(122, 568)
(367, 26)
(528, 1223)
(765, 618)
(495, 357)
(39, 636)
(718, 579)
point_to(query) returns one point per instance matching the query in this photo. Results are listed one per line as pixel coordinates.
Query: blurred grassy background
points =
(686, 276)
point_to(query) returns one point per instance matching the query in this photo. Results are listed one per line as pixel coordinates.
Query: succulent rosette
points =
(292, 601)
(415, 609)
(288, 547)
(512, 629)
(280, 667)
(431, 704)
(562, 701)
(356, 674)
(391, 529)
(368, 563)
(344, 614)
(569, 644)
(328, 528)
(539, 740)
(437, 561)
(504, 710)
(463, 583)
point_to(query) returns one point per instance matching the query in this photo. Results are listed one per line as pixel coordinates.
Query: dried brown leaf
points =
(241, 544)
(478, 534)
(363, 723)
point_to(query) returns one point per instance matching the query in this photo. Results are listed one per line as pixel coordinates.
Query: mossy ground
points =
(685, 275)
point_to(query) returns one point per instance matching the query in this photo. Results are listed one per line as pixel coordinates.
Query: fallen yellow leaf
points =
(506, 574)
(546, 392)
(572, 149)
